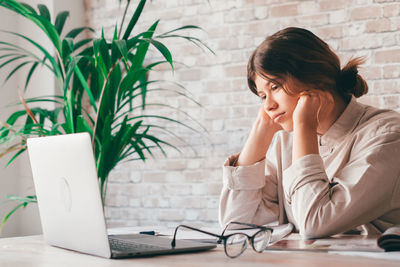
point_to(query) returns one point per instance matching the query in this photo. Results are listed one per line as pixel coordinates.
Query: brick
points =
(261, 12)
(117, 201)
(371, 73)
(213, 203)
(360, 42)
(329, 5)
(261, 2)
(171, 215)
(308, 7)
(206, 189)
(135, 177)
(386, 86)
(218, 86)
(190, 75)
(391, 71)
(177, 189)
(136, 190)
(380, 25)
(392, 10)
(338, 16)
(369, 100)
(154, 177)
(135, 202)
(191, 215)
(283, 10)
(314, 20)
(387, 56)
(391, 101)
(384, 1)
(216, 113)
(155, 202)
(119, 177)
(111, 223)
(329, 32)
(208, 215)
(238, 15)
(370, 12)
(137, 214)
(189, 202)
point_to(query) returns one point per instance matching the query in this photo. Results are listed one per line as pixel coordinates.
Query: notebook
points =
(70, 206)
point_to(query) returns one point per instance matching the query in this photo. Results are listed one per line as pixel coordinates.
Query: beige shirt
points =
(354, 181)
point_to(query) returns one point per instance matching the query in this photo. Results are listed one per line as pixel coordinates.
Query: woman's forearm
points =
(258, 142)
(305, 141)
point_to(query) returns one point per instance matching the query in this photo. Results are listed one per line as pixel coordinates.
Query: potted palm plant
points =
(103, 84)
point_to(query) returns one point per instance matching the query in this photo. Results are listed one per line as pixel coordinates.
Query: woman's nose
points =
(269, 104)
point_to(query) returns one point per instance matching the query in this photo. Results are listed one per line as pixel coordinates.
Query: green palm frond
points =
(104, 89)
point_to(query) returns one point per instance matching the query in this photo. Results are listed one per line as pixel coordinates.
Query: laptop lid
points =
(68, 193)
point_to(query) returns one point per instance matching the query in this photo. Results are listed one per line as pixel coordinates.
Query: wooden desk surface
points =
(32, 251)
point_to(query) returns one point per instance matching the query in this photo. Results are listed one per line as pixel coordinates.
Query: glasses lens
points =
(261, 240)
(236, 244)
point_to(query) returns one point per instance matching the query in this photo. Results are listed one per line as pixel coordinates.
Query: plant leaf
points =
(75, 32)
(60, 21)
(44, 11)
(31, 71)
(163, 49)
(134, 19)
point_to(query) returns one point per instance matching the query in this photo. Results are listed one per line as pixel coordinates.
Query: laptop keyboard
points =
(128, 245)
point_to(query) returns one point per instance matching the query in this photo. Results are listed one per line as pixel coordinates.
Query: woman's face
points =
(278, 104)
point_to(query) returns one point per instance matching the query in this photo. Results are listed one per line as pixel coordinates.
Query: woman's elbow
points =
(313, 229)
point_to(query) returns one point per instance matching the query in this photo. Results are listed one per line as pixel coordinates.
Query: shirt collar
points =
(345, 124)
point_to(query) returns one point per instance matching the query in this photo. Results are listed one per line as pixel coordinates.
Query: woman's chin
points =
(288, 126)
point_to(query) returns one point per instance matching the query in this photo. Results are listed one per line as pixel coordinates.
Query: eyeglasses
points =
(236, 243)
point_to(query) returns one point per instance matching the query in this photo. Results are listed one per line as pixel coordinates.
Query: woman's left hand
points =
(311, 108)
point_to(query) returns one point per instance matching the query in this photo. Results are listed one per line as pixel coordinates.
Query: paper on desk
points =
(395, 255)
(335, 243)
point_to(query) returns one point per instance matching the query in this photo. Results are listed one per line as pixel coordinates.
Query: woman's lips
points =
(278, 117)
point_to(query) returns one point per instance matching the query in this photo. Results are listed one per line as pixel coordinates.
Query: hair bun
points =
(347, 80)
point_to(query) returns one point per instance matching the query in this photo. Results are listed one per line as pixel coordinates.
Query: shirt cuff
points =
(305, 170)
(250, 177)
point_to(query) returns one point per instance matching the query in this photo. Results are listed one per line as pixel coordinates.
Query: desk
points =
(32, 251)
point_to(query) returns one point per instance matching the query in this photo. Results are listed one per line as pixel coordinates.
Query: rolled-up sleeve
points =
(359, 193)
(249, 193)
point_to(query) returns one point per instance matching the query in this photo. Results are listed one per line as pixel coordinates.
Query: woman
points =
(314, 157)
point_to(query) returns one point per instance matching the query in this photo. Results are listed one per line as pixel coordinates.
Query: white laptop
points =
(70, 206)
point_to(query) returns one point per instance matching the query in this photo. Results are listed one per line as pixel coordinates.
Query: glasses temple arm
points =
(252, 225)
(173, 242)
(226, 227)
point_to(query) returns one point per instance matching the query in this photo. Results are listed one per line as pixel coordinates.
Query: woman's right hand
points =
(259, 139)
(266, 120)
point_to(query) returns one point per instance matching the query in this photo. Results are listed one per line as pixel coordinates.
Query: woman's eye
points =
(274, 87)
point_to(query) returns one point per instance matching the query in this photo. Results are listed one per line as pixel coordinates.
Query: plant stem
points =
(100, 101)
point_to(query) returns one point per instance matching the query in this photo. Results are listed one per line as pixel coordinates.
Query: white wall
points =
(8, 176)
(17, 179)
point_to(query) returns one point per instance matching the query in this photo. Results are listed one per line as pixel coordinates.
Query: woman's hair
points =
(298, 53)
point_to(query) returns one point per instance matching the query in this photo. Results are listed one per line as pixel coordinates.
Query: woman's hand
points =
(311, 109)
(259, 139)
(308, 118)
(266, 120)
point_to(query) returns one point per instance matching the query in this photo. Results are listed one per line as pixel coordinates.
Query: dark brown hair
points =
(298, 53)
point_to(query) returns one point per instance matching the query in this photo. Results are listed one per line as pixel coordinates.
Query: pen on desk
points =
(148, 233)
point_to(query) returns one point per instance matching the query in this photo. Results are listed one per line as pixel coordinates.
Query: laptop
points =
(70, 206)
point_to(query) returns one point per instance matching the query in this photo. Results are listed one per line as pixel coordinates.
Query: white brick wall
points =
(185, 187)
